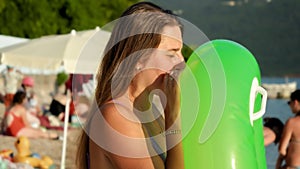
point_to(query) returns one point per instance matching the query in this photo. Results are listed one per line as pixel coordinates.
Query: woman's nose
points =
(180, 57)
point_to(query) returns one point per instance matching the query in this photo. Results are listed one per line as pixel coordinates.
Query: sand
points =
(51, 148)
(44, 86)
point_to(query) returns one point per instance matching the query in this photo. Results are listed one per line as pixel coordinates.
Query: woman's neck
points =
(18, 105)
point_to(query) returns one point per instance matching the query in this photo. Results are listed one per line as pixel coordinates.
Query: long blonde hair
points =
(139, 30)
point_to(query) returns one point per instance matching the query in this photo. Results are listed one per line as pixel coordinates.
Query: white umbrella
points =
(6, 40)
(84, 51)
(79, 52)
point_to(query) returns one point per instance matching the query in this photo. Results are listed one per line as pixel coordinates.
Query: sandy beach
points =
(45, 147)
(44, 85)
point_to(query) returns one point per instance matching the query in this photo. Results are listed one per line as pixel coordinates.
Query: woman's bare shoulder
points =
(292, 122)
(123, 148)
(119, 117)
(17, 110)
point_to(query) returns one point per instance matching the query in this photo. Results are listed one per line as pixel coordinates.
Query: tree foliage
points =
(34, 18)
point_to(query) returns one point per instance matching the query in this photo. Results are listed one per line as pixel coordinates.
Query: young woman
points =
(17, 122)
(142, 60)
(289, 146)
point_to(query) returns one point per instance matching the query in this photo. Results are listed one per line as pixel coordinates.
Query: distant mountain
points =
(270, 29)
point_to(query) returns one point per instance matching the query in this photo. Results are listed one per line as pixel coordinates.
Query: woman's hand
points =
(279, 161)
(172, 101)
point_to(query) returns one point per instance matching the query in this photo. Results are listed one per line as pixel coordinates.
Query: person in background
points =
(58, 106)
(272, 130)
(82, 107)
(1, 98)
(32, 105)
(289, 145)
(11, 79)
(74, 85)
(61, 79)
(59, 98)
(125, 129)
(17, 123)
(27, 86)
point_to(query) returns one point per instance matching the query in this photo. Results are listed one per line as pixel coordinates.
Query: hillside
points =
(270, 29)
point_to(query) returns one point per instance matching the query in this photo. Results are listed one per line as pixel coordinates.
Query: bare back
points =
(18, 111)
(290, 142)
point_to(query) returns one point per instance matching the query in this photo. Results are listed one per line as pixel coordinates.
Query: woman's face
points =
(295, 106)
(24, 102)
(167, 57)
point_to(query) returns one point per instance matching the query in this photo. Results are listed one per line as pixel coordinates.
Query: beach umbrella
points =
(78, 52)
(6, 40)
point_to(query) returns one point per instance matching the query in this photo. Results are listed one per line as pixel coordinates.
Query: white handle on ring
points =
(256, 89)
(262, 110)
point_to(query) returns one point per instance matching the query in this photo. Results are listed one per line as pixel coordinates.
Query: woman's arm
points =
(279, 161)
(175, 154)
(175, 159)
(283, 144)
(285, 138)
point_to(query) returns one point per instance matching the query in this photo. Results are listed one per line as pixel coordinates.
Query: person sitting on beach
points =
(1, 98)
(289, 145)
(272, 130)
(28, 87)
(17, 123)
(32, 105)
(58, 106)
(82, 106)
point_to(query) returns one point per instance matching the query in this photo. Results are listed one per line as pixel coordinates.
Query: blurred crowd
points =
(25, 115)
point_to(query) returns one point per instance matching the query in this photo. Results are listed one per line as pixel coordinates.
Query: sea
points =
(280, 109)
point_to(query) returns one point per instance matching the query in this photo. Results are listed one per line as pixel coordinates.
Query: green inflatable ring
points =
(221, 109)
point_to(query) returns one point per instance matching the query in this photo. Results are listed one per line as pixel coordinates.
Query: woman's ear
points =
(297, 103)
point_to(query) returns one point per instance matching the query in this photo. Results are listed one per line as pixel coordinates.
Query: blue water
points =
(277, 108)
